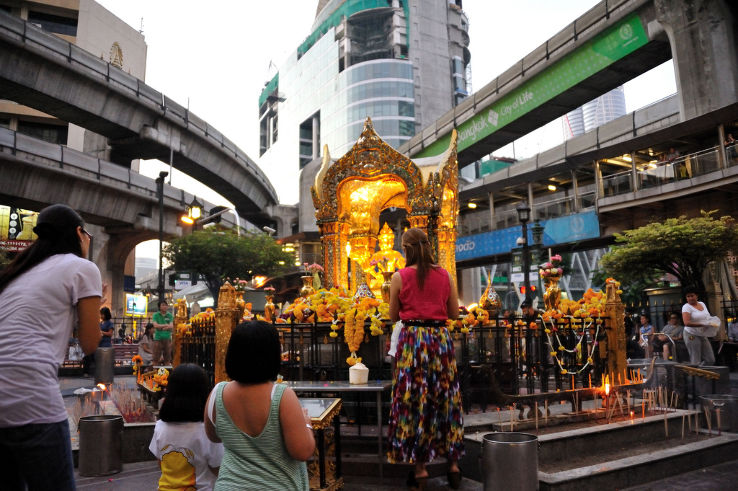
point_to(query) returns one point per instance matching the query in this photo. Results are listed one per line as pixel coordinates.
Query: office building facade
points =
(401, 62)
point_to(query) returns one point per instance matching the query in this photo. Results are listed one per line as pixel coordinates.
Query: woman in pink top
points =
(425, 419)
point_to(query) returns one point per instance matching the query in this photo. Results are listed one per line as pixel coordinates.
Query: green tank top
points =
(259, 462)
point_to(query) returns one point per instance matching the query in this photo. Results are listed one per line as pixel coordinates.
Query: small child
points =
(188, 459)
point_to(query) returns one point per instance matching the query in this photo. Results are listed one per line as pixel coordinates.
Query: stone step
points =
(618, 454)
(639, 469)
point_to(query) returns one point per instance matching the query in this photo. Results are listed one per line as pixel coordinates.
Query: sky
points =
(216, 60)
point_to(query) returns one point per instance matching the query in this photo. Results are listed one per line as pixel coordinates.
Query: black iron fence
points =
(198, 346)
(512, 354)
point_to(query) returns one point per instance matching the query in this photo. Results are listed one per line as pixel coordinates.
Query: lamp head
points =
(523, 212)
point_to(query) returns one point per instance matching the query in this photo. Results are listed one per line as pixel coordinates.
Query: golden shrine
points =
(350, 194)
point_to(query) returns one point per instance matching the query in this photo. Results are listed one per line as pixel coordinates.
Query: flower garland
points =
(577, 346)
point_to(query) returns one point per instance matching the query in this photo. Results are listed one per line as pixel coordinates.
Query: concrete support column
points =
(575, 191)
(469, 285)
(633, 173)
(703, 46)
(722, 156)
(492, 222)
(599, 190)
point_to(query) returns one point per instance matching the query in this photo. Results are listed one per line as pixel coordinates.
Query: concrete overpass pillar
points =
(470, 290)
(703, 43)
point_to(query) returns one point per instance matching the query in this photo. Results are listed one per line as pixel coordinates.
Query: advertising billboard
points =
(606, 48)
(16, 228)
(136, 304)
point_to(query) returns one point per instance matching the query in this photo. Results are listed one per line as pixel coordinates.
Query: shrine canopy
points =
(350, 194)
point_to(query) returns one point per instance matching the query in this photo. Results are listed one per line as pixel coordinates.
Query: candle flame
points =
(607, 389)
(102, 387)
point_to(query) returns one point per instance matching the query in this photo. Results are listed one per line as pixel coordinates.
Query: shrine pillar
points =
(226, 316)
(334, 255)
(615, 310)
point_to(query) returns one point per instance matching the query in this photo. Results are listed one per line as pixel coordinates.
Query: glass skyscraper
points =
(400, 62)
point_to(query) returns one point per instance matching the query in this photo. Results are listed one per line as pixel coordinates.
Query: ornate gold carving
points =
(350, 194)
(226, 317)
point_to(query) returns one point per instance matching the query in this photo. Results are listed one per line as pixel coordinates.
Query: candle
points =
(572, 383)
(643, 409)
(682, 427)
(536, 408)
(512, 415)
(590, 380)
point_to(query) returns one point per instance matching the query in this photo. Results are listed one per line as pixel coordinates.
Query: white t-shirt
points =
(696, 316)
(186, 454)
(37, 313)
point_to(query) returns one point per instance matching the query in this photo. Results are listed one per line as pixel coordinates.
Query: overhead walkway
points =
(613, 42)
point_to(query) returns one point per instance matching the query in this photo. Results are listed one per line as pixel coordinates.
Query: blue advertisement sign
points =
(560, 230)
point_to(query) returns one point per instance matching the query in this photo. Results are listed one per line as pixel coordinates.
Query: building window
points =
(309, 139)
(53, 23)
(51, 133)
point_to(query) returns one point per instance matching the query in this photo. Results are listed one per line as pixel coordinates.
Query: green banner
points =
(606, 48)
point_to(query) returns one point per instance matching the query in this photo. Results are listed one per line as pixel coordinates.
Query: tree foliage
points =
(218, 254)
(680, 246)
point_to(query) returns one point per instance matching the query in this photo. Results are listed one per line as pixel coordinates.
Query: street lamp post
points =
(524, 215)
(160, 195)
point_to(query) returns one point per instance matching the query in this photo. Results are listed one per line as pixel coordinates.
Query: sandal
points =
(454, 479)
(416, 483)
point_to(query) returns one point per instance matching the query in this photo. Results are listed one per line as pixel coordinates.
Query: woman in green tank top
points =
(266, 434)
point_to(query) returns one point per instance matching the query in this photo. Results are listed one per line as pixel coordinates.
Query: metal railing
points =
(665, 172)
(479, 221)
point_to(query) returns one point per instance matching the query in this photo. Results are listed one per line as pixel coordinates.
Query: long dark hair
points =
(418, 252)
(105, 314)
(187, 391)
(56, 227)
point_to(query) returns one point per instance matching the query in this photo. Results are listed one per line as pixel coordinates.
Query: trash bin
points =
(100, 444)
(509, 461)
(104, 365)
(722, 410)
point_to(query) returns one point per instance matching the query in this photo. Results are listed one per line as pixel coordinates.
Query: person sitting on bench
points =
(662, 341)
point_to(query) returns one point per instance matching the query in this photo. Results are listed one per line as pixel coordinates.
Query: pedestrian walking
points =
(696, 319)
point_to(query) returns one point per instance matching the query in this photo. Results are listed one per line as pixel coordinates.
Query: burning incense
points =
(666, 426)
(536, 408)
(717, 410)
(682, 426)
(545, 413)
(709, 420)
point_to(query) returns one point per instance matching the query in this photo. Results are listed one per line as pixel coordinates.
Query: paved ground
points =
(145, 475)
